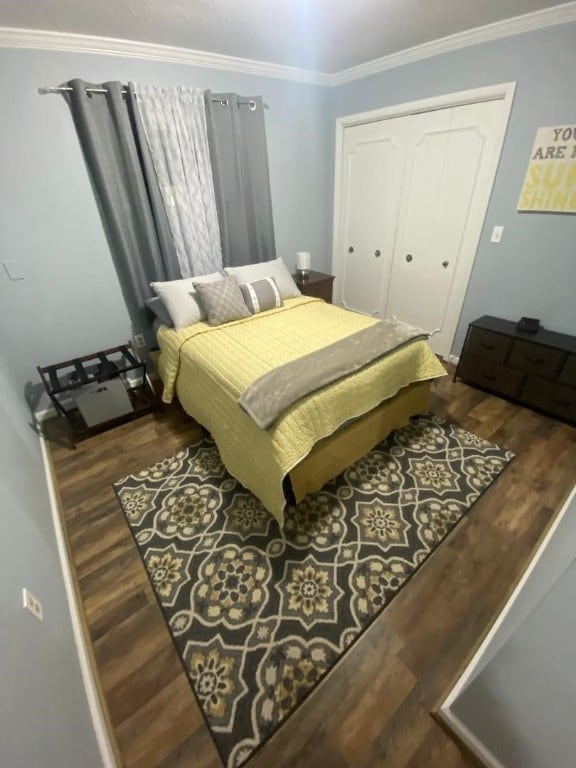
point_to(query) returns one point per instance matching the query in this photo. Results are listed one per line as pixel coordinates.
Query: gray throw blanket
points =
(270, 395)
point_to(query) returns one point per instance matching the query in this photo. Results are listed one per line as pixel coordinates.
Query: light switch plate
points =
(497, 234)
(13, 270)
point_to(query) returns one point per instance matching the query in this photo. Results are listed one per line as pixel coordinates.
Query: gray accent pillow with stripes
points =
(261, 295)
(222, 301)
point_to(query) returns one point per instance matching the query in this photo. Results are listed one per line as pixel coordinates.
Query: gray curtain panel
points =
(237, 140)
(126, 189)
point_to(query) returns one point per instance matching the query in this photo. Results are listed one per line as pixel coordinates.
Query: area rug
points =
(259, 615)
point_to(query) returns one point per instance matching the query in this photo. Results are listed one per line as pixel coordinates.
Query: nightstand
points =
(316, 284)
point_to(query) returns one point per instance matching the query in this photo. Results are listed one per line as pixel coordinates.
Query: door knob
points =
(409, 257)
(445, 264)
(350, 250)
(377, 253)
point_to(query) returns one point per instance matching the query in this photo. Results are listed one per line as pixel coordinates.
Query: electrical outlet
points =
(139, 340)
(32, 604)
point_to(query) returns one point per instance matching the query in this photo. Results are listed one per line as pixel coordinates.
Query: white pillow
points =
(275, 268)
(180, 299)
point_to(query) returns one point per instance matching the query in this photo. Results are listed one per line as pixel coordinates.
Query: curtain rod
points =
(64, 88)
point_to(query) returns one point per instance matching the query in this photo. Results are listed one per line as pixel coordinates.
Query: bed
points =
(208, 368)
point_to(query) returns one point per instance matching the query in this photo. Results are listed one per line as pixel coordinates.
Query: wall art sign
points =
(550, 183)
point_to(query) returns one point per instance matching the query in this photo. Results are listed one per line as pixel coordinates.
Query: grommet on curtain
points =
(252, 105)
(224, 102)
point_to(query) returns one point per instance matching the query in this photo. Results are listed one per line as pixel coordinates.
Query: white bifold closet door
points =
(415, 190)
(374, 160)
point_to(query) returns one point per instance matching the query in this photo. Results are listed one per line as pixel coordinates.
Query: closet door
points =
(373, 162)
(449, 177)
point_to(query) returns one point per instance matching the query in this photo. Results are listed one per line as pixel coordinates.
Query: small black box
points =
(528, 324)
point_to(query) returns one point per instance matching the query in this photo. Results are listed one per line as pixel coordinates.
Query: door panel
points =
(415, 186)
(415, 284)
(374, 157)
(475, 130)
(448, 181)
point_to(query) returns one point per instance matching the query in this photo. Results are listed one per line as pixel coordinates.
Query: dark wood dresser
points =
(316, 284)
(535, 369)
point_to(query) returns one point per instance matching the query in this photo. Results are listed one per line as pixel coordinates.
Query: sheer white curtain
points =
(174, 120)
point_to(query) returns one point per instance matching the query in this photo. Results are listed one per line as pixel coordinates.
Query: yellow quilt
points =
(209, 368)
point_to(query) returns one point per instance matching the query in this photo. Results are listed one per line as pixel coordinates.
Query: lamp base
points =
(303, 274)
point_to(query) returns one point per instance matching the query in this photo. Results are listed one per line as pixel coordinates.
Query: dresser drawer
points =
(489, 345)
(534, 358)
(551, 397)
(490, 375)
(568, 373)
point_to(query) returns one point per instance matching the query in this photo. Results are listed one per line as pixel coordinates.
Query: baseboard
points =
(474, 747)
(108, 750)
(45, 413)
(454, 359)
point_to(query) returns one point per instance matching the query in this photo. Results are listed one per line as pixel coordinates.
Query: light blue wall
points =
(521, 705)
(44, 717)
(533, 271)
(70, 303)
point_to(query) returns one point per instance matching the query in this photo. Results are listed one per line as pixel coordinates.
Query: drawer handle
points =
(487, 346)
(535, 360)
(488, 377)
(563, 403)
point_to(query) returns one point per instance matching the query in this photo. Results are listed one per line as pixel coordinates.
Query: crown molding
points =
(12, 37)
(528, 22)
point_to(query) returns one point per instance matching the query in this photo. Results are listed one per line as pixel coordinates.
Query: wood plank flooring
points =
(373, 709)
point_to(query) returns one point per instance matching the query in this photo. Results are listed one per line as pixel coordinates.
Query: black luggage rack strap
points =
(80, 375)
(70, 375)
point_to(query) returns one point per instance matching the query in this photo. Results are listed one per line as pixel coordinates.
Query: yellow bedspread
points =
(209, 368)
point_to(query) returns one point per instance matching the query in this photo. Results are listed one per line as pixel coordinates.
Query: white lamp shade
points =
(303, 261)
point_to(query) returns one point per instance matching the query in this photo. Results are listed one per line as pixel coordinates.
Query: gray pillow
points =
(180, 298)
(222, 301)
(275, 268)
(261, 295)
(156, 305)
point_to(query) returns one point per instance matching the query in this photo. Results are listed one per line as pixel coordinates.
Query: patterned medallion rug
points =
(259, 616)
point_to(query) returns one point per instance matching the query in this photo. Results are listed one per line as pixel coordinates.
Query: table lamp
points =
(303, 263)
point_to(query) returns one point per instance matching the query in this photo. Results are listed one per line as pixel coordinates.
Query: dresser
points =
(535, 369)
(318, 284)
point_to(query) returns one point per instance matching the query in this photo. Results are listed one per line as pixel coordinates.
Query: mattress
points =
(208, 368)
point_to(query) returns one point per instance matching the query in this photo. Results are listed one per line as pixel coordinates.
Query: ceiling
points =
(320, 35)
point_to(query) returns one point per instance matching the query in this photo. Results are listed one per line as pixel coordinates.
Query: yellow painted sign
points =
(550, 183)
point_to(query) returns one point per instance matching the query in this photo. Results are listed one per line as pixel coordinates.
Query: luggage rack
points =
(71, 381)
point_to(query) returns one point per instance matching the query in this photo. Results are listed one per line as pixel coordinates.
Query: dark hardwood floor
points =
(374, 708)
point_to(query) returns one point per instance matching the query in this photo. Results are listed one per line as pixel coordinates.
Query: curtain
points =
(174, 120)
(126, 190)
(237, 139)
